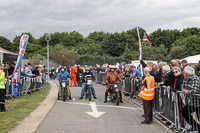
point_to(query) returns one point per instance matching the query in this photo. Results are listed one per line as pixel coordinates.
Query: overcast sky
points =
(85, 16)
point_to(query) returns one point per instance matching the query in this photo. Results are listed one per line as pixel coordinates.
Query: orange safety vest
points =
(148, 92)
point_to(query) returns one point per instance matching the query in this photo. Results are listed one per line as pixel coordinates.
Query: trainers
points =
(144, 122)
(3, 110)
(70, 98)
(81, 97)
(95, 97)
(121, 101)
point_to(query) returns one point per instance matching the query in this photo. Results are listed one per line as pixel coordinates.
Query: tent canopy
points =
(7, 55)
(193, 59)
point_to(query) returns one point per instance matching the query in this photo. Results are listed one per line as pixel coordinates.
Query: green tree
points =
(189, 44)
(114, 44)
(5, 43)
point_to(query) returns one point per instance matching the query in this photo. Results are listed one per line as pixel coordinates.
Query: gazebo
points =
(193, 59)
(7, 56)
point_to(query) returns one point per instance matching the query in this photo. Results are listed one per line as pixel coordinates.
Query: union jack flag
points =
(146, 39)
(17, 71)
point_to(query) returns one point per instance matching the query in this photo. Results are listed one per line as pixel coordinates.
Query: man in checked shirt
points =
(191, 87)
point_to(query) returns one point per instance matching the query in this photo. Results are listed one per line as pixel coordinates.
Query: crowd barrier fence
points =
(27, 85)
(167, 104)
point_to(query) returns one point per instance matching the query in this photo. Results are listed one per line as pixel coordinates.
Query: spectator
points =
(178, 63)
(197, 69)
(178, 79)
(158, 73)
(36, 71)
(171, 77)
(11, 69)
(6, 67)
(191, 86)
(134, 72)
(178, 87)
(165, 74)
(127, 71)
(150, 65)
(98, 69)
(184, 64)
(28, 70)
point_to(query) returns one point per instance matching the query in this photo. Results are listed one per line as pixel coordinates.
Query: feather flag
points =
(140, 50)
(17, 71)
(146, 39)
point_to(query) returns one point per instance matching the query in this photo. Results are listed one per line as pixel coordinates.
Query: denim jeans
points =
(83, 90)
(43, 81)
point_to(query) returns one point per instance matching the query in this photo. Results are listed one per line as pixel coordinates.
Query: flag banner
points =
(15, 92)
(146, 39)
(140, 50)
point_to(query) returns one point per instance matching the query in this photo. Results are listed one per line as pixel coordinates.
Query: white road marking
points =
(95, 113)
(108, 106)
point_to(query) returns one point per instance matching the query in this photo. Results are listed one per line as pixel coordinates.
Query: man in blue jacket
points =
(64, 74)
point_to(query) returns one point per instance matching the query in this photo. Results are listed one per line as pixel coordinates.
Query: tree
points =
(62, 55)
(164, 37)
(73, 39)
(178, 52)
(6, 44)
(114, 44)
(189, 44)
(96, 37)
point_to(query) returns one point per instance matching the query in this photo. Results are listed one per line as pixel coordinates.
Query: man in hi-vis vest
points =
(2, 89)
(147, 94)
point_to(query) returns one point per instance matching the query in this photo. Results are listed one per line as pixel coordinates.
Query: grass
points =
(20, 108)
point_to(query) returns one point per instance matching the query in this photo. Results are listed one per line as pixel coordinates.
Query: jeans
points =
(43, 81)
(83, 90)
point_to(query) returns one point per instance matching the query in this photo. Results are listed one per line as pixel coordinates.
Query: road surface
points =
(83, 116)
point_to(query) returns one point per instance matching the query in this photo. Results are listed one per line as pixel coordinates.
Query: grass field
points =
(19, 108)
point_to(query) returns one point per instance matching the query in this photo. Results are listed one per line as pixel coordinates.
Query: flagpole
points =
(140, 50)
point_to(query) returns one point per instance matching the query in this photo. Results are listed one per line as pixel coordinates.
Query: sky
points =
(86, 16)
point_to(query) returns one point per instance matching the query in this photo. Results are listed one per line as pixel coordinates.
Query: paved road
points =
(71, 116)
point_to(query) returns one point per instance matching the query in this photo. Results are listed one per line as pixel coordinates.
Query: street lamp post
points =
(48, 38)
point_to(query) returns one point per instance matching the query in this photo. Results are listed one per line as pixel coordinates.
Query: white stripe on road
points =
(108, 106)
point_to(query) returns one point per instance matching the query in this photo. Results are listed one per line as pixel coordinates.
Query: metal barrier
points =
(27, 85)
(173, 107)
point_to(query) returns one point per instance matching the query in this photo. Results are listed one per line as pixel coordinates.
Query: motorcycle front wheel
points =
(89, 94)
(117, 98)
(63, 93)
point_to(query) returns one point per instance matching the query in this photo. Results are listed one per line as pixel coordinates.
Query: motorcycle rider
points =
(112, 77)
(80, 72)
(88, 73)
(64, 74)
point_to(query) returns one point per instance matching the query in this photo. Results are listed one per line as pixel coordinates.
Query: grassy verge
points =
(20, 108)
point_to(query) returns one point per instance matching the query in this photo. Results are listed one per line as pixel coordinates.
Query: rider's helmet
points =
(112, 68)
(87, 69)
(62, 69)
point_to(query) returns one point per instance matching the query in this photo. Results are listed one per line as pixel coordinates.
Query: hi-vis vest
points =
(57, 70)
(148, 93)
(2, 82)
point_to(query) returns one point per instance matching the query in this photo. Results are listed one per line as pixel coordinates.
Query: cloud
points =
(85, 16)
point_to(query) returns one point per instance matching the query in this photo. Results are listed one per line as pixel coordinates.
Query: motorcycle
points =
(88, 88)
(80, 82)
(114, 93)
(63, 90)
(52, 75)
